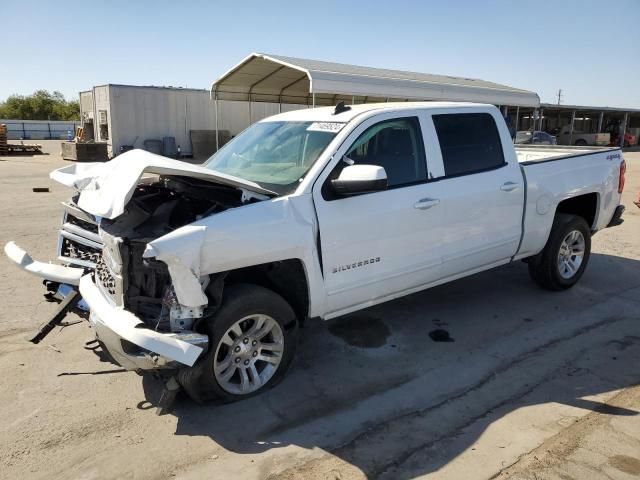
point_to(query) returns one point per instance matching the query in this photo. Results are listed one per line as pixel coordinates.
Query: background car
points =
(538, 138)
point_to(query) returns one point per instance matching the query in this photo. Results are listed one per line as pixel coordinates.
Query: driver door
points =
(380, 244)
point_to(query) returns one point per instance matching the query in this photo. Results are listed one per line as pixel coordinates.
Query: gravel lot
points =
(534, 385)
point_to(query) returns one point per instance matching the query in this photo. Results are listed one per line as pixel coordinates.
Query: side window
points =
(396, 145)
(469, 142)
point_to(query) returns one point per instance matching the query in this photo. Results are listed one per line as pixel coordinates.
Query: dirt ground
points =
(535, 385)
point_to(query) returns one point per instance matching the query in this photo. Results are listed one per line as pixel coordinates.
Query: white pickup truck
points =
(207, 271)
(581, 139)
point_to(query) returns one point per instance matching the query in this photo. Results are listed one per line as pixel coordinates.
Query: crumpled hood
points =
(106, 188)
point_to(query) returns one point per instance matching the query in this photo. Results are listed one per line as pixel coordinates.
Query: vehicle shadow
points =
(369, 397)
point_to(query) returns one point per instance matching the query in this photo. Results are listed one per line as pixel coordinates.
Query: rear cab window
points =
(469, 142)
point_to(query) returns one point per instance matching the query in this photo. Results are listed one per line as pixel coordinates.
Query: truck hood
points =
(106, 188)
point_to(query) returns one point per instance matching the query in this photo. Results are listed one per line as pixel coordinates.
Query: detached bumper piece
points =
(47, 271)
(130, 342)
(68, 304)
(617, 217)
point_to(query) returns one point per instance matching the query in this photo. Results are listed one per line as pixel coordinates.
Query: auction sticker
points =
(333, 127)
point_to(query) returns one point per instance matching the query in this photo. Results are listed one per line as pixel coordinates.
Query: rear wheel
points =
(564, 258)
(580, 143)
(252, 340)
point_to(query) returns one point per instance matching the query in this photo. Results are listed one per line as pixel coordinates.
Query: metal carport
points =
(272, 78)
(281, 80)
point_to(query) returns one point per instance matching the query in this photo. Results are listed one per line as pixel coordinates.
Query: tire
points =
(580, 143)
(549, 268)
(248, 307)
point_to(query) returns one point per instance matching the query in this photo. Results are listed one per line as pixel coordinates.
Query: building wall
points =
(135, 114)
(234, 116)
(86, 103)
(139, 114)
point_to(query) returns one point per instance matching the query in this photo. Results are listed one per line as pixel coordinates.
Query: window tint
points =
(469, 142)
(396, 145)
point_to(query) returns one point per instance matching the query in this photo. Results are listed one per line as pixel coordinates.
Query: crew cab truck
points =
(208, 271)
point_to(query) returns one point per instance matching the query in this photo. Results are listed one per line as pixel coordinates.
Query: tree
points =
(41, 105)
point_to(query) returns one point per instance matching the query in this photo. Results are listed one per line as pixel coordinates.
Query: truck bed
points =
(528, 154)
(582, 171)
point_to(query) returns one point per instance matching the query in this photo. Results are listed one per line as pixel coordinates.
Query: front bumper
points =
(131, 343)
(47, 271)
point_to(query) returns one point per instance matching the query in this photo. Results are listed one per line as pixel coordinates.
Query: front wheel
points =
(252, 340)
(565, 256)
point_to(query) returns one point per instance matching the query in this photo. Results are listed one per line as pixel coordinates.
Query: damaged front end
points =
(129, 299)
(131, 290)
(79, 249)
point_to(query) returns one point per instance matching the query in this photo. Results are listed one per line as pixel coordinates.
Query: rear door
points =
(481, 192)
(378, 244)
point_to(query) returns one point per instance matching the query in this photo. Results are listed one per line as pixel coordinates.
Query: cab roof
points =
(327, 114)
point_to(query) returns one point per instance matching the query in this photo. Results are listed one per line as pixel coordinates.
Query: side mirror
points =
(356, 179)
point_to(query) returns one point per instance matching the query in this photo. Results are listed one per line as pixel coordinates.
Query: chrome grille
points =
(74, 250)
(79, 243)
(83, 224)
(106, 279)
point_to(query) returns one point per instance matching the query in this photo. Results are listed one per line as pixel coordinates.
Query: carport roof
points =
(264, 77)
(551, 106)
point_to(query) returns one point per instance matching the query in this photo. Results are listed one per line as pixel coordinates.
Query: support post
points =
(517, 118)
(600, 118)
(541, 116)
(217, 134)
(573, 121)
(623, 129)
(313, 100)
(532, 120)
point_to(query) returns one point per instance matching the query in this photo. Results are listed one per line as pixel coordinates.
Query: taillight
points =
(623, 169)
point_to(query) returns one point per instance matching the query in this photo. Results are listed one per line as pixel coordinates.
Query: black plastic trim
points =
(464, 174)
(617, 216)
(342, 187)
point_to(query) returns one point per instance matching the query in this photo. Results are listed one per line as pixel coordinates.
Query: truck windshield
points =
(275, 155)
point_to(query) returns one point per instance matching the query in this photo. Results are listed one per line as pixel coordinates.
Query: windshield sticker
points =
(333, 127)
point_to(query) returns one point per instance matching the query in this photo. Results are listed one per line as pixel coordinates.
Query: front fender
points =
(268, 231)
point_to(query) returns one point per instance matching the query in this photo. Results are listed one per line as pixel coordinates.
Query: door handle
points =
(509, 186)
(425, 203)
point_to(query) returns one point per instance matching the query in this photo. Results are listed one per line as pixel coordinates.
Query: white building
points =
(127, 115)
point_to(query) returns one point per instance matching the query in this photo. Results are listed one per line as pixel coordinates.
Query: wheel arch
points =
(287, 278)
(584, 205)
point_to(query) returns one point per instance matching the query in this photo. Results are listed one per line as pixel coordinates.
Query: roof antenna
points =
(341, 107)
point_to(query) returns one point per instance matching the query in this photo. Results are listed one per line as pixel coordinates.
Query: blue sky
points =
(590, 49)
